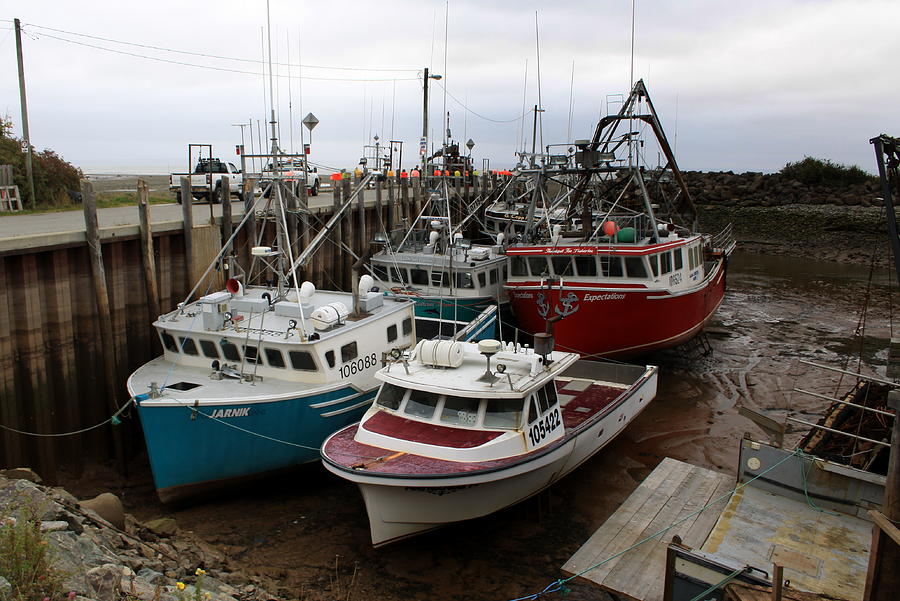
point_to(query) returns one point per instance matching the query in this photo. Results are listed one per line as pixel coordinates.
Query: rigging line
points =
(205, 55)
(111, 418)
(463, 105)
(210, 67)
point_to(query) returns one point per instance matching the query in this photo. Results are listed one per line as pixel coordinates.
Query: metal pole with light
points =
(423, 149)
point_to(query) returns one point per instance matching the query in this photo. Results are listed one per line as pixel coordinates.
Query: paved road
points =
(47, 229)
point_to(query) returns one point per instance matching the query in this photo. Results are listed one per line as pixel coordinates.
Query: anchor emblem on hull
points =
(569, 305)
(567, 308)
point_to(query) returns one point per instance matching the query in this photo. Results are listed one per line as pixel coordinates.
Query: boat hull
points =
(402, 506)
(617, 322)
(195, 449)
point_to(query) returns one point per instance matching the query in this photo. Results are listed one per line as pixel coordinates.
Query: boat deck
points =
(671, 492)
(581, 400)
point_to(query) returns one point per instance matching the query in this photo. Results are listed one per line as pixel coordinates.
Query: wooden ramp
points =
(673, 491)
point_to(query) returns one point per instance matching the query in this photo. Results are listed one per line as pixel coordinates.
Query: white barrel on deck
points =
(328, 316)
(440, 353)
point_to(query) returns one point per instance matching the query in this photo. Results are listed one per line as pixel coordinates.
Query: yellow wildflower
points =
(179, 586)
(200, 572)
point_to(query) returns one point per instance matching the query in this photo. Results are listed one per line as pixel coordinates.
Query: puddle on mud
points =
(777, 310)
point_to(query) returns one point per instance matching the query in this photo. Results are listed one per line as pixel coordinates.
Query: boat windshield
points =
(421, 404)
(460, 411)
(504, 414)
(390, 396)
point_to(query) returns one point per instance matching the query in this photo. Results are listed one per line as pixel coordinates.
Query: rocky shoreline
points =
(773, 215)
(104, 554)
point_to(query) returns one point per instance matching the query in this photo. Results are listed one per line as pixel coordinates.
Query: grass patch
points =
(26, 559)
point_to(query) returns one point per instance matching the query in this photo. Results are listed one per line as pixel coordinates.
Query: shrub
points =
(811, 171)
(53, 176)
(26, 558)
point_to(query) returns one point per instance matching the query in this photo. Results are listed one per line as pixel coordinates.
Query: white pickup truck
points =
(290, 171)
(206, 181)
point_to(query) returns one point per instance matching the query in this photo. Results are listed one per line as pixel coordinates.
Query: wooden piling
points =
(98, 275)
(227, 219)
(187, 213)
(249, 202)
(345, 275)
(404, 201)
(147, 258)
(389, 225)
(360, 237)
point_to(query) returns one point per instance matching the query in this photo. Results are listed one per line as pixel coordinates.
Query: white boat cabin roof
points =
(439, 366)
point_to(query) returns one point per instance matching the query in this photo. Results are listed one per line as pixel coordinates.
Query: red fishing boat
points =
(635, 279)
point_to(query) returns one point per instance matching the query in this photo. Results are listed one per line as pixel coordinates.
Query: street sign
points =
(310, 121)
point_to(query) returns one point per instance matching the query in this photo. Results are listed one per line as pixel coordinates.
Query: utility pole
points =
(28, 169)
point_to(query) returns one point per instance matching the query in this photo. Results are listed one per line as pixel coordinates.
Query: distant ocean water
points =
(127, 170)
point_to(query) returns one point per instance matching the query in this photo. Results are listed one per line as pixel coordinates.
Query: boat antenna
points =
(631, 87)
(571, 104)
(540, 106)
(520, 142)
(290, 92)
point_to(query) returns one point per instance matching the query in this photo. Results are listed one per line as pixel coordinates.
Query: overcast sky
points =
(742, 86)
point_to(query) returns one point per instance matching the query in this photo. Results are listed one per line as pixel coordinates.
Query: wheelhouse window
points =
(303, 360)
(421, 404)
(482, 279)
(169, 342)
(440, 278)
(392, 333)
(380, 272)
(230, 351)
(418, 276)
(460, 411)
(505, 414)
(538, 266)
(635, 267)
(251, 354)
(188, 346)
(407, 326)
(274, 357)
(209, 349)
(349, 352)
(398, 275)
(586, 266)
(518, 266)
(679, 259)
(329, 356)
(654, 264)
(493, 276)
(665, 262)
(464, 280)
(390, 396)
(562, 266)
(611, 266)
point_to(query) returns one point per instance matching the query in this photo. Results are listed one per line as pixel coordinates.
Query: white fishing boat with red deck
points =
(636, 275)
(460, 430)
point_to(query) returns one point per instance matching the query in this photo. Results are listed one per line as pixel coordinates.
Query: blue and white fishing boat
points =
(450, 279)
(254, 377)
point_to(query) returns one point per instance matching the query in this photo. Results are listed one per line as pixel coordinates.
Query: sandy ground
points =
(308, 533)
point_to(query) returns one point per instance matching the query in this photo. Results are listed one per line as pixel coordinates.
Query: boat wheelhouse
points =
(450, 438)
(450, 279)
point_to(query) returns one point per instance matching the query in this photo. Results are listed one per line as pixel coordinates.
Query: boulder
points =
(162, 527)
(104, 582)
(21, 473)
(107, 506)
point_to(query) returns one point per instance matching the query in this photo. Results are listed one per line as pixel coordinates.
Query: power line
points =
(463, 105)
(201, 54)
(210, 67)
